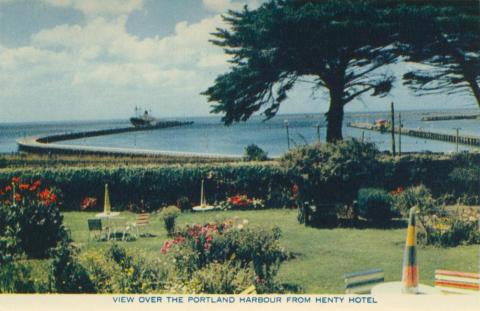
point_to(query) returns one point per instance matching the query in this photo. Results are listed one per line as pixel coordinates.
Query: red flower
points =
(24, 186)
(18, 197)
(294, 189)
(8, 188)
(15, 180)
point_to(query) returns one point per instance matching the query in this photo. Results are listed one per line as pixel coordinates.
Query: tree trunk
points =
(335, 116)
(475, 89)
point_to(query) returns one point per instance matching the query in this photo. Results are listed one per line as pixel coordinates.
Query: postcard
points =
(241, 154)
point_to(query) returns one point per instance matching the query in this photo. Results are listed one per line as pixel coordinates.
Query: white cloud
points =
(76, 69)
(99, 7)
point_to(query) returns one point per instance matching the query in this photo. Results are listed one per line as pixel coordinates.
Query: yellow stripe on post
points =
(411, 236)
(410, 269)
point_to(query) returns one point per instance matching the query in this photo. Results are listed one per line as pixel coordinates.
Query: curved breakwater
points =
(47, 145)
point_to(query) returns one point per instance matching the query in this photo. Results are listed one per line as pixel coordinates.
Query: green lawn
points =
(322, 255)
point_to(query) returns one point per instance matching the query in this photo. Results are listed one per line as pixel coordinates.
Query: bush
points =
(451, 232)
(230, 243)
(419, 196)
(184, 204)
(16, 278)
(221, 278)
(254, 153)
(160, 186)
(375, 205)
(68, 275)
(330, 174)
(169, 216)
(32, 218)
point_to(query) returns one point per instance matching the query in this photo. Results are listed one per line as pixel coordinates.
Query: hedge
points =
(163, 185)
(160, 186)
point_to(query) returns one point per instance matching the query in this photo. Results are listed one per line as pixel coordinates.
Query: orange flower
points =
(24, 186)
(18, 197)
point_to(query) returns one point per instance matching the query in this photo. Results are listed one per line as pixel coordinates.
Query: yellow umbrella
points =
(106, 204)
(410, 268)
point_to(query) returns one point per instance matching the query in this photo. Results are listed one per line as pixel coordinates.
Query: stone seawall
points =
(47, 145)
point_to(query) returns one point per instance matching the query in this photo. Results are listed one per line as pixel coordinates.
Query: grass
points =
(322, 256)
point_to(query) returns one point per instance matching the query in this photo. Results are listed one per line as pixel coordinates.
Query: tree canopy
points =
(443, 36)
(339, 44)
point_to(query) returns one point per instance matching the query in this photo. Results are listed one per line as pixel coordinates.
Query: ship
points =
(143, 120)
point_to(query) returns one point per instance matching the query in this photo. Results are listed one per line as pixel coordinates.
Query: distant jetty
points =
(451, 117)
(47, 144)
(462, 139)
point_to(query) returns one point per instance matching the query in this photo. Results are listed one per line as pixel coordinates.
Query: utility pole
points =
(457, 139)
(318, 132)
(288, 135)
(392, 127)
(399, 134)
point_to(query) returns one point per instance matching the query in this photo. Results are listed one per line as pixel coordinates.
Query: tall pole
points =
(318, 132)
(288, 135)
(399, 134)
(457, 137)
(392, 127)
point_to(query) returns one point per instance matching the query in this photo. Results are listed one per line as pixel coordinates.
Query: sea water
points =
(209, 135)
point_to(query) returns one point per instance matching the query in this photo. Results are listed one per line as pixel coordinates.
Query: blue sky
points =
(98, 59)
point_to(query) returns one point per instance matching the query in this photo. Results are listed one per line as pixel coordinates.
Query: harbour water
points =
(209, 135)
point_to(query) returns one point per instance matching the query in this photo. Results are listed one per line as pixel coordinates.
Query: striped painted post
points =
(106, 204)
(410, 269)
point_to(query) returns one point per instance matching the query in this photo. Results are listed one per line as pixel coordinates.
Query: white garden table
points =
(109, 217)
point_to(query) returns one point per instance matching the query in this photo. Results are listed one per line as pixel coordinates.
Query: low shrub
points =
(230, 243)
(169, 216)
(419, 196)
(220, 278)
(68, 275)
(375, 205)
(450, 232)
(254, 153)
(331, 174)
(184, 204)
(15, 277)
(31, 216)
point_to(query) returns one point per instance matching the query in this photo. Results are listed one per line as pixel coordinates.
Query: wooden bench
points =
(456, 282)
(362, 282)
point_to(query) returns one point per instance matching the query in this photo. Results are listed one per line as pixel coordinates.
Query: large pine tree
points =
(340, 45)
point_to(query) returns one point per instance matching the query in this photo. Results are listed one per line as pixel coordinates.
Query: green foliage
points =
(419, 196)
(254, 153)
(197, 247)
(68, 275)
(375, 205)
(169, 216)
(30, 218)
(117, 271)
(450, 232)
(221, 278)
(161, 186)
(338, 42)
(16, 278)
(327, 174)
(184, 204)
